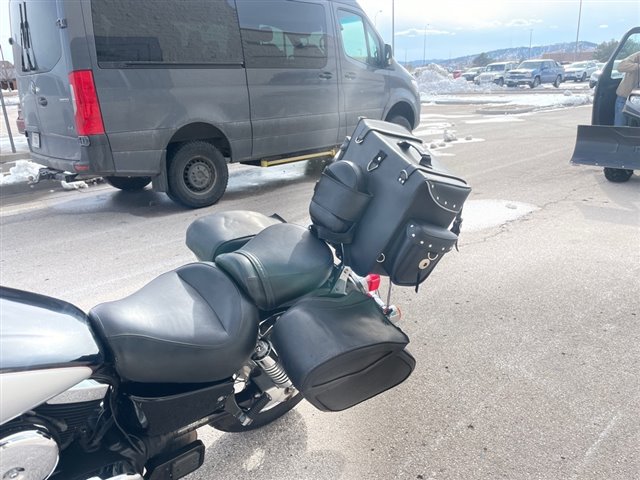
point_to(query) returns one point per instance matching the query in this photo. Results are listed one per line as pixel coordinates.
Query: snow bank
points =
(436, 85)
(23, 171)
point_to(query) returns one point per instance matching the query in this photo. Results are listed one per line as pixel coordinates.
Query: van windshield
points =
(35, 35)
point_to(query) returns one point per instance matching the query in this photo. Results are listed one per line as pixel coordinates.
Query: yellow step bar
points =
(298, 158)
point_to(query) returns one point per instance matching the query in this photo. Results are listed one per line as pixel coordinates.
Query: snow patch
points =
(483, 214)
(23, 171)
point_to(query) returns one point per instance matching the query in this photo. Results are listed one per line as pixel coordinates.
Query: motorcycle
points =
(271, 313)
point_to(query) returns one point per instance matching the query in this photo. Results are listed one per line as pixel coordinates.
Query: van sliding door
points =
(292, 76)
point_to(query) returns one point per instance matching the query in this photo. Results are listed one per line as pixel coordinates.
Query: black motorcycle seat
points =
(280, 264)
(189, 325)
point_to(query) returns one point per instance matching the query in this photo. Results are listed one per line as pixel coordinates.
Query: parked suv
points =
(170, 92)
(494, 72)
(579, 71)
(535, 72)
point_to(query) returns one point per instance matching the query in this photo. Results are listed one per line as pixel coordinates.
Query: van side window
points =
(279, 34)
(358, 41)
(37, 35)
(147, 31)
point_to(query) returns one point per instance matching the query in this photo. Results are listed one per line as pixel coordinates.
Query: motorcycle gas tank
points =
(39, 332)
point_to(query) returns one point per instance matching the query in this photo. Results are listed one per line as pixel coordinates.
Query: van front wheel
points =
(198, 174)
(400, 120)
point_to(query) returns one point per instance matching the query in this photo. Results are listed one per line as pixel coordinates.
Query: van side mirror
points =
(388, 54)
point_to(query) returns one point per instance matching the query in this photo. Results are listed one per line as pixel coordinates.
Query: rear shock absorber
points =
(264, 357)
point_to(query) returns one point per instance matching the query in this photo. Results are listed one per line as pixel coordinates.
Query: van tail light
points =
(85, 103)
(373, 282)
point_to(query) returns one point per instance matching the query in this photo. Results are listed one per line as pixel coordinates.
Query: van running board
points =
(50, 174)
(299, 158)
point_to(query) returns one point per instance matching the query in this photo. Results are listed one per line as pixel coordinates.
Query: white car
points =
(494, 73)
(580, 71)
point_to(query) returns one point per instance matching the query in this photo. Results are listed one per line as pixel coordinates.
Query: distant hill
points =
(515, 54)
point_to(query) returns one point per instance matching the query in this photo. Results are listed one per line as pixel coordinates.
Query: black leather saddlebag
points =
(340, 351)
(407, 188)
(223, 232)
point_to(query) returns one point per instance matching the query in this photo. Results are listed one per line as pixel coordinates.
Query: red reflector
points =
(373, 282)
(85, 103)
(81, 168)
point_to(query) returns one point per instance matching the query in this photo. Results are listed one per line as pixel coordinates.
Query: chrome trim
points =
(85, 391)
(28, 455)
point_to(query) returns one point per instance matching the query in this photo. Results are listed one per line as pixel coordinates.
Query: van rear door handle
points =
(326, 75)
(42, 101)
(350, 75)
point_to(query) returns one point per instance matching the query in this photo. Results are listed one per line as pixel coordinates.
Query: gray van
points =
(170, 92)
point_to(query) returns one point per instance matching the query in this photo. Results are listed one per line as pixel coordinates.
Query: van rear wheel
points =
(198, 174)
(128, 184)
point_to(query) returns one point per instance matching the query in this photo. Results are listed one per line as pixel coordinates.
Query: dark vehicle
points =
(267, 317)
(602, 144)
(536, 72)
(173, 100)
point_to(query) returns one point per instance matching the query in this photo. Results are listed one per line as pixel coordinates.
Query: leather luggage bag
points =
(340, 351)
(414, 203)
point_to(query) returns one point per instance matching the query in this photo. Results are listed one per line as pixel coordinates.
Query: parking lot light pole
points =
(393, 26)
(575, 58)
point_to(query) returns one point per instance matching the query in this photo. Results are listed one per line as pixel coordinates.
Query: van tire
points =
(557, 82)
(535, 83)
(128, 184)
(197, 174)
(400, 120)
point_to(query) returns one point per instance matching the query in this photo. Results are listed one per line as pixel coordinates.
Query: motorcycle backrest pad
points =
(340, 351)
(280, 264)
(223, 232)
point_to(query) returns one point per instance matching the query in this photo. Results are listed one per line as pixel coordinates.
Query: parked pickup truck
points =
(535, 72)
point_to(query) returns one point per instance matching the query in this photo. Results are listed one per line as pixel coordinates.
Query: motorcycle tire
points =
(229, 423)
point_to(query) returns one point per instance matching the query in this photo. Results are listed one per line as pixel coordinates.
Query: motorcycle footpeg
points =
(257, 407)
(176, 464)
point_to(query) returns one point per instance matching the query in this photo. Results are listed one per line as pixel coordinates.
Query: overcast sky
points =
(455, 27)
